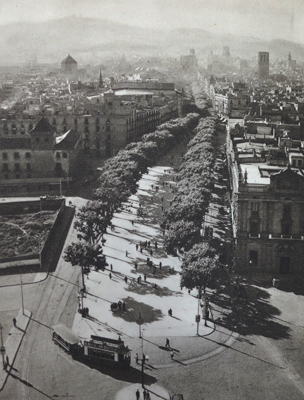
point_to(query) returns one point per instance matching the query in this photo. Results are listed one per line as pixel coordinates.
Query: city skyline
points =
(266, 19)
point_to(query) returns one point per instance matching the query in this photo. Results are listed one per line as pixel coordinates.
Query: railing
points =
(286, 237)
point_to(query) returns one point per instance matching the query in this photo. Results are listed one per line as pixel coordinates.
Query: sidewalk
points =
(13, 343)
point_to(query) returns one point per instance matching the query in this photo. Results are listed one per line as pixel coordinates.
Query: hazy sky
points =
(266, 19)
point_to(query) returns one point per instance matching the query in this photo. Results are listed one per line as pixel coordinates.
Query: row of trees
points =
(118, 180)
(193, 190)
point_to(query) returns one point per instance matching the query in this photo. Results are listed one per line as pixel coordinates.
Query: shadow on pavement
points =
(246, 310)
(131, 374)
(26, 383)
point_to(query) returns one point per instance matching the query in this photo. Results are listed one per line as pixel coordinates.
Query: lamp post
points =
(198, 317)
(144, 358)
(2, 348)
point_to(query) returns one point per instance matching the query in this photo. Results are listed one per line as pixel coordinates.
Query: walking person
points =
(167, 342)
(136, 358)
(127, 253)
(136, 246)
(145, 277)
(14, 322)
(137, 394)
(110, 275)
(145, 394)
(126, 279)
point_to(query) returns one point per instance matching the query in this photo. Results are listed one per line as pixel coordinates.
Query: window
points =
(299, 163)
(27, 155)
(75, 121)
(4, 156)
(254, 227)
(5, 167)
(57, 154)
(28, 167)
(6, 176)
(286, 228)
(64, 155)
(18, 175)
(254, 206)
(253, 257)
(86, 121)
(17, 167)
(16, 156)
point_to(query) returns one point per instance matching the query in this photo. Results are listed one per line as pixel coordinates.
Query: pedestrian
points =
(146, 243)
(160, 265)
(14, 321)
(137, 394)
(126, 279)
(111, 267)
(148, 396)
(135, 265)
(145, 394)
(110, 275)
(151, 252)
(145, 277)
(132, 222)
(172, 355)
(162, 208)
(167, 342)
(154, 270)
(141, 249)
(149, 243)
(136, 246)
(127, 253)
(136, 358)
(170, 312)
(155, 245)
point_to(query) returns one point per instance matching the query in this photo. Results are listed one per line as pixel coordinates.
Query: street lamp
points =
(2, 348)
(198, 317)
(144, 358)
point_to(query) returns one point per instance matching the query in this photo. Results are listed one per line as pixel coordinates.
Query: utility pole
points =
(2, 348)
(22, 300)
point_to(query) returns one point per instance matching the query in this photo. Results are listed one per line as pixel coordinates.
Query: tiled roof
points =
(43, 126)
(68, 60)
(15, 143)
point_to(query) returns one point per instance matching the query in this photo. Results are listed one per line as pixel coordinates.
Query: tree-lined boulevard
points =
(247, 350)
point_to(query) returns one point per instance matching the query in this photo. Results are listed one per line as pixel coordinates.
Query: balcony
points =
(285, 237)
(254, 235)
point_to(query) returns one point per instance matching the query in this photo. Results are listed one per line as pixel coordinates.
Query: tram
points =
(99, 350)
(65, 338)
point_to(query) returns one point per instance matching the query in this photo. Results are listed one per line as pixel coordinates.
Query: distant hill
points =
(90, 40)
